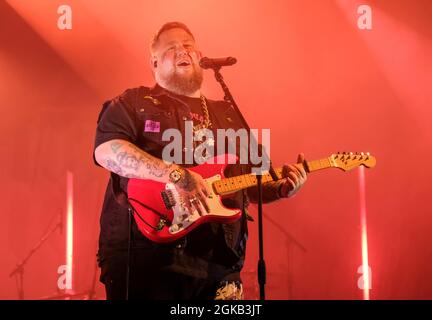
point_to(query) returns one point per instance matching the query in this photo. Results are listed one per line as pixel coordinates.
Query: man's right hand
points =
(193, 190)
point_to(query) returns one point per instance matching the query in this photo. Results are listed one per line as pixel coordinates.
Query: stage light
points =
(69, 225)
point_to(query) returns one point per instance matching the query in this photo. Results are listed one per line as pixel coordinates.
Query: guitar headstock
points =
(350, 160)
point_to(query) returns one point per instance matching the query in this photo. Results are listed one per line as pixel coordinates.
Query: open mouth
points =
(183, 63)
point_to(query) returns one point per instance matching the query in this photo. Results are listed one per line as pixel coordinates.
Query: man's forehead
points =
(175, 35)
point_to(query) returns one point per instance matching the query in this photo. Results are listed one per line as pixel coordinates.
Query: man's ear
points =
(153, 62)
(199, 54)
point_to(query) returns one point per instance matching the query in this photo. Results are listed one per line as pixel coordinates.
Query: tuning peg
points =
(367, 155)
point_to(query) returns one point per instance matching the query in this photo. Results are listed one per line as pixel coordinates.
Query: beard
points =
(183, 84)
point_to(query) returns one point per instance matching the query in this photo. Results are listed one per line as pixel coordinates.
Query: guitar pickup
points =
(168, 199)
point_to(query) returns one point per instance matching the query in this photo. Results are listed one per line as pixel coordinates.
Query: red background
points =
(305, 70)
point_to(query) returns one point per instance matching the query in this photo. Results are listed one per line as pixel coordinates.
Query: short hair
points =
(168, 26)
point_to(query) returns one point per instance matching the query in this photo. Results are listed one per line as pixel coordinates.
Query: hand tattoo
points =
(187, 182)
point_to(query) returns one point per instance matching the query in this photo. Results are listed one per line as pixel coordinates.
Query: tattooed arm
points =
(127, 160)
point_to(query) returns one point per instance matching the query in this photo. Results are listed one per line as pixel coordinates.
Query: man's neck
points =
(196, 94)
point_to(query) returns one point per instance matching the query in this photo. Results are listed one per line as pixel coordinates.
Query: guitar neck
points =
(237, 183)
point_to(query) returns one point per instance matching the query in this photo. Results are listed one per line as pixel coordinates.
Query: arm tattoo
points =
(115, 146)
(129, 160)
(128, 163)
(114, 167)
(154, 168)
(152, 165)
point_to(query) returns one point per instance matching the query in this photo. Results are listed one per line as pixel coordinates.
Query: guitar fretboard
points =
(237, 183)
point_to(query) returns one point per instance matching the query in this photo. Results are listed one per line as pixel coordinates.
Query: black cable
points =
(162, 216)
(128, 267)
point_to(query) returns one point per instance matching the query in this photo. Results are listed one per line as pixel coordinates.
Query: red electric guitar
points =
(161, 216)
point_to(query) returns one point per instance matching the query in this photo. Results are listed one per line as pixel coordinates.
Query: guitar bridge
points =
(168, 199)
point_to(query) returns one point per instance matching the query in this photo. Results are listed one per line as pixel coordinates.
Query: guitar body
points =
(158, 223)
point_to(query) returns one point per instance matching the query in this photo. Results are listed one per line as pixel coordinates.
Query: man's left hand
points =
(295, 177)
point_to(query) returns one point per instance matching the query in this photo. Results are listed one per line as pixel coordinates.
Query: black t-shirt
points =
(140, 115)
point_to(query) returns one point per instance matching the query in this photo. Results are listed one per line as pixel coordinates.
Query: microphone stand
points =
(290, 241)
(261, 262)
(19, 269)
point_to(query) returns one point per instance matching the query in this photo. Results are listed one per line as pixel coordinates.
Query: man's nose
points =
(181, 51)
(182, 55)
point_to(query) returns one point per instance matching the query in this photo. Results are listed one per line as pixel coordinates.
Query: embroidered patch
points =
(152, 126)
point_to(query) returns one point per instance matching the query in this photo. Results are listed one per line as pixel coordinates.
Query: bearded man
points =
(206, 263)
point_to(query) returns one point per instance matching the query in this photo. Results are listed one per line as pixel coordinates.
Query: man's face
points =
(177, 61)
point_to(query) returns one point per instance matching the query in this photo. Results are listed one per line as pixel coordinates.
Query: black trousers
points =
(149, 281)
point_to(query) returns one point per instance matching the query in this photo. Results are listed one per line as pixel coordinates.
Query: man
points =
(206, 263)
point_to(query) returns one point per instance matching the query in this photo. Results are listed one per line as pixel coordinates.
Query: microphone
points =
(216, 63)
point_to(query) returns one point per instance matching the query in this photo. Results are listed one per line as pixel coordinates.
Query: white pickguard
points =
(182, 218)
